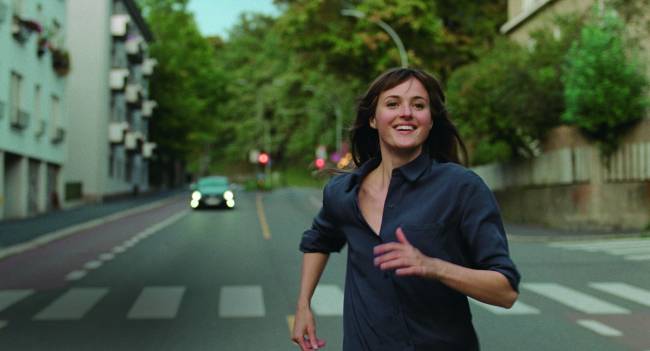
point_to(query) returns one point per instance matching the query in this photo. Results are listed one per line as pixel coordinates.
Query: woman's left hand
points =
(403, 257)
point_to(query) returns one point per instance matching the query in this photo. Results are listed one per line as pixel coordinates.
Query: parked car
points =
(213, 191)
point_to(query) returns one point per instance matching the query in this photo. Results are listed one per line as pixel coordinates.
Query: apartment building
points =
(33, 117)
(108, 95)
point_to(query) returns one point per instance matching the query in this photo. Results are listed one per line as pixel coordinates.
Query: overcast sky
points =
(217, 16)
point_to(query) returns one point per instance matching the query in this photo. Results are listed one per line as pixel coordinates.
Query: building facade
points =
(33, 114)
(570, 186)
(109, 105)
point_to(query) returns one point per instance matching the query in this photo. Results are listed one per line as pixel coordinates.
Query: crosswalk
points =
(247, 301)
(631, 249)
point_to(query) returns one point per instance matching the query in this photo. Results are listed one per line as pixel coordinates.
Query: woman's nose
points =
(406, 111)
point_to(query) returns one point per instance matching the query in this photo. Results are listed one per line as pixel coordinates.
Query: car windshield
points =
(215, 181)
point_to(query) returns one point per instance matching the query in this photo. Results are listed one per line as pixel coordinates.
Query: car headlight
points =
(196, 195)
(228, 195)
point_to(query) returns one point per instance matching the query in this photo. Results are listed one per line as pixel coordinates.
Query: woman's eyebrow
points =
(399, 97)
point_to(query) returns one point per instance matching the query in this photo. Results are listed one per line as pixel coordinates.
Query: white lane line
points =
(328, 300)
(241, 301)
(519, 308)
(159, 302)
(62, 233)
(574, 299)
(72, 305)
(93, 265)
(624, 291)
(106, 256)
(118, 249)
(601, 244)
(75, 275)
(599, 328)
(638, 257)
(314, 201)
(10, 297)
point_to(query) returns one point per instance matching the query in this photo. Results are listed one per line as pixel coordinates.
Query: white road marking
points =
(599, 328)
(519, 308)
(72, 305)
(75, 275)
(93, 265)
(328, 300)
(574, 299)
(241, 301)
(106, 256)
(157, 303)
(624, 291)
(10, 297)
(118, 249)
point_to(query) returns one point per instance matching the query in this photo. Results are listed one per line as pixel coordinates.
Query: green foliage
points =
(604, 87)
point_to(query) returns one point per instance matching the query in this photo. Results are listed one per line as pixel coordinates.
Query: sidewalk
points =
(529, 232)
(18, 231)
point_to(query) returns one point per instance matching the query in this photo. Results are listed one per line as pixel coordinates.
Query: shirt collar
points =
(411, 171)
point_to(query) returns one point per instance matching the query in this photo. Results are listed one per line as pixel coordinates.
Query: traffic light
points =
(320, 163)
(263, 158)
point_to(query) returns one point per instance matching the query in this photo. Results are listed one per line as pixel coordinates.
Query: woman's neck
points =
(391, 160)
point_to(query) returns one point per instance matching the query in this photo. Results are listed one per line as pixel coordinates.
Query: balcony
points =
(130, 141)
(116, 131)
(120, 25)
(19, 119)
(133, 93)
(118, 78)
(147, 107)
(147, 149)
(41, 127)
(58, 135)
(148, 66)
(134, 49)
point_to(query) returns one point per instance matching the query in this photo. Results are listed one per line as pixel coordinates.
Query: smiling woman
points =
(423, 232)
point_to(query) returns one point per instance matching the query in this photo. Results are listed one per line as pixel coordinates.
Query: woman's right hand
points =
(304, 330)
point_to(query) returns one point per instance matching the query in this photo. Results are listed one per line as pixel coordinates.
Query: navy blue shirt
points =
(446, 211)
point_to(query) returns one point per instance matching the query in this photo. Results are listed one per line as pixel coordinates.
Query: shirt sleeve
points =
(324, 235)
(483, 231)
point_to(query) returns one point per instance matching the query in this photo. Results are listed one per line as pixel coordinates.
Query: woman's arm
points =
(486, 286)
(313, 265)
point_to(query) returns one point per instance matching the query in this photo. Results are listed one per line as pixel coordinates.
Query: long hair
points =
(443, 141)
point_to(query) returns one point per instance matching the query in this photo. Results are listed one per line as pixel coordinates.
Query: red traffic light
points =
(320, 163)
(263, 158)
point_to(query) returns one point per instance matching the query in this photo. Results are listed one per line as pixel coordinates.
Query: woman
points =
(423, 232)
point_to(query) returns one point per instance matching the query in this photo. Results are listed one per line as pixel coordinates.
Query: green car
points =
(214, 191)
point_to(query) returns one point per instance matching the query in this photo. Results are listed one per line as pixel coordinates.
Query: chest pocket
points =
(429, 238)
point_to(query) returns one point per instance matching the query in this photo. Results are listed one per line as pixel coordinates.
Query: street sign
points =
(253, 155)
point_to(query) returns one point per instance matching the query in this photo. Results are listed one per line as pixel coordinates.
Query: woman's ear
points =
(372, 123)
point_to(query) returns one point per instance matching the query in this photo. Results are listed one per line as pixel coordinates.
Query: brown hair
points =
(443, 141)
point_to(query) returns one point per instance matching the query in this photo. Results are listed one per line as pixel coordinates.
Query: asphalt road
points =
(167, 278)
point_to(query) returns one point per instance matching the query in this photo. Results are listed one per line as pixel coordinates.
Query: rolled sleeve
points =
(324, 235)
(483, 231)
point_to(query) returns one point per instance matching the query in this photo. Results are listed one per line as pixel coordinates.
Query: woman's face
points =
(403, 117)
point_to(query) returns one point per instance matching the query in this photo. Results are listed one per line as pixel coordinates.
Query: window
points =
(14, 96)
(38, 119)
(111, 161)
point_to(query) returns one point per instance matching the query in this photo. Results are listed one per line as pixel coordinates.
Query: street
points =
(163, 277)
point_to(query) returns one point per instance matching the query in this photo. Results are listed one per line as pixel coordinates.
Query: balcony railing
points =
(116, 131)
(120, 25)
(135, 49)
(147, 149)
(58, 135)
(118, 78)
(130, 141)
(19, 119)
(147, 107)
(133, 93)
(148, 66)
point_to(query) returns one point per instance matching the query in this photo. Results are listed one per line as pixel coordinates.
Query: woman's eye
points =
(420, 106)
(391, 104)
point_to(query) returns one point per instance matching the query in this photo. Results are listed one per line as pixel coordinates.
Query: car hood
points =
(212, 190)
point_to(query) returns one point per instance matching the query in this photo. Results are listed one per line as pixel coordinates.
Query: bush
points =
(603, 83)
